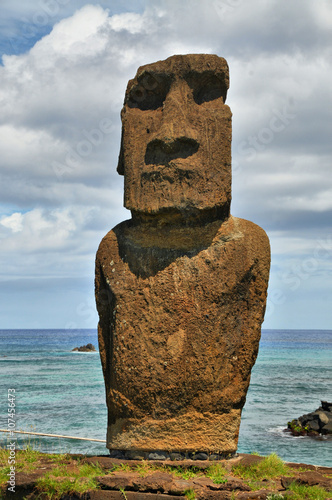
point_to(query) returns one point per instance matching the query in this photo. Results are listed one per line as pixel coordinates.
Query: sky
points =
(63, 72)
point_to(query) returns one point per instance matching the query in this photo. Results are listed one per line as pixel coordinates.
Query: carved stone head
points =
(176, 137)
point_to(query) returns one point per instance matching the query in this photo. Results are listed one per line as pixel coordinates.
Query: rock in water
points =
(314, 423)
(85, 348)
(181, 286)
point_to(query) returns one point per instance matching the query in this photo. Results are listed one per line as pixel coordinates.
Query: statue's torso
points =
(186, 335)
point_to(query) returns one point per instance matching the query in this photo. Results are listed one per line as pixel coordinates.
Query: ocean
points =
(62, 392)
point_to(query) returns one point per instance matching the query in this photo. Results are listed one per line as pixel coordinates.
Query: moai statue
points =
(181, 286)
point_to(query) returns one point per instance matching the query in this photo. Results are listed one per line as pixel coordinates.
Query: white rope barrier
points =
(53, 435)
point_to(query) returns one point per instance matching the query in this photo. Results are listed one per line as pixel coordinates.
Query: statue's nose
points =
(177, 110)
(176, 137)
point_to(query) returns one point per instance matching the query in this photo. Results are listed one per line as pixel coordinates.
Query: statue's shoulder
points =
(248, 241)
(110, 243)
(256, 244)
(251, 232)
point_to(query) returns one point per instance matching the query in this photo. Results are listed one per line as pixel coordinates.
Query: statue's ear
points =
(120, 168)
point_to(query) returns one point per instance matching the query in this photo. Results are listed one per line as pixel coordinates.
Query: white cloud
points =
(75, 37)
(39, 230)
(57, 162)
(55, 97)
(57, 243)
(323, 13)
(13, 222)
(26, 149)
(130, 22)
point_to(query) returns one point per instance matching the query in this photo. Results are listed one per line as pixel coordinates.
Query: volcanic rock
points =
(85, 348)
(314, 423)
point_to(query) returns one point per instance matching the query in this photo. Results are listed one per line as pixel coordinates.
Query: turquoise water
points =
(62, 392)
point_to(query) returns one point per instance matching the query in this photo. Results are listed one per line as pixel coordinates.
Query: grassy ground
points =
(67, 474)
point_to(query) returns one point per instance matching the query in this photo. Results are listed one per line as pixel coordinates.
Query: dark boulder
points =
(318, 422)
(85, 348)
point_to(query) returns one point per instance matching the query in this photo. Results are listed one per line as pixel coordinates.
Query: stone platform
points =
(126, 479)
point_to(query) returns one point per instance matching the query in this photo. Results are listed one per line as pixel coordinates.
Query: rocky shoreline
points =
(316, 423)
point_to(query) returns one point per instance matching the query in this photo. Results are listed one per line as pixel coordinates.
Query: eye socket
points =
(149, 93)
(207, 88)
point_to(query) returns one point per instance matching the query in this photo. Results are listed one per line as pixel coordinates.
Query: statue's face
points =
(176, 136)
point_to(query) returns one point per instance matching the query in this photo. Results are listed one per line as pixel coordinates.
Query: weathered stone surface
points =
(212, 495)
(151, 496)
(234, 484)
(118, 480)
(179, 486)
(156, 482)
(205, 482)
(181, 287)
(103, 495)
(313, 478)
(130, 495)
(327, 428)
(230, 484)
(255, 495)
(176, 136)
(27, 480)
(158, 455)
(200, 456)
(24, 485)
(176, 456)
(300, 466)
(136, 455)
(310, 478)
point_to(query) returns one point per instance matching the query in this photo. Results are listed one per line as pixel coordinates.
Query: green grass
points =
(184, 472)
(304, 492)
(61, 480)
(26, 460)
(217, 473)
(49, 486)
(68, 475)
(190, 494)
(270, 467)
(144, 468)
(122, 468)
(123, 493)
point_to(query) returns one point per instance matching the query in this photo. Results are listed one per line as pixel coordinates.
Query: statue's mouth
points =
(163, 152)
